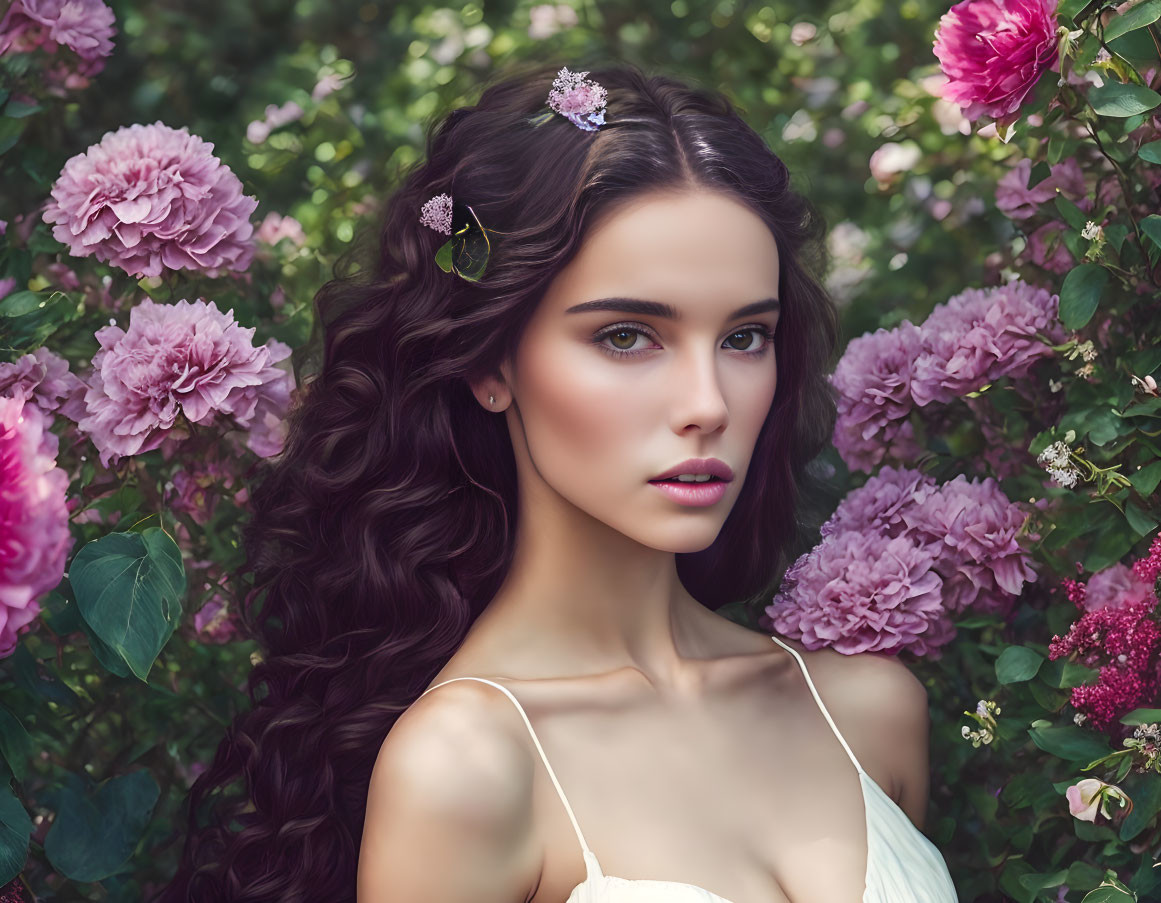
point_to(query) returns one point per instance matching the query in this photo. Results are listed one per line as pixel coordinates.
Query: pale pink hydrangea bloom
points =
(873, 382)
(275, 117)
(149, 197)
(437, 213)
(1016, 200)
(181, 358)
(864, 592)
(34, 522)
(84, 26)
(980, 335)
(993, 53)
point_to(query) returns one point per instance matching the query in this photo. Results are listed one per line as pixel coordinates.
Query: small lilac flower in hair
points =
(437, 213)
(579, 99)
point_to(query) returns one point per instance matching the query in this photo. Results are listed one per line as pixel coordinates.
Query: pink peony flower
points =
(971, 527)
(84, 26)
(179, 358)
(580, 100)
(34, 522)
(993, 53)
(873, 381)
(864, 592)
(877, 504)
(149, 197)
(980, 335)
(1115, 587)
(45, 380)
(1017, 201)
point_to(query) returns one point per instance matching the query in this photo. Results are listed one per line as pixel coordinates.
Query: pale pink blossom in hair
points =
(1016, 200)
(861, 591)
(83, 26)
(34, 529)
(993, 53)
(182, 358)
(150, 197)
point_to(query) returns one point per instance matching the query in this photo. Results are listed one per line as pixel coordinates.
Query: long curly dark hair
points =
(386, 524)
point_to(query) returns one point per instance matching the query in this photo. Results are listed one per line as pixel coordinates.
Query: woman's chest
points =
(757, 806)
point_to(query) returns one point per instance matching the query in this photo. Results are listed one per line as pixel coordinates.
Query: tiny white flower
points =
(1091, 231)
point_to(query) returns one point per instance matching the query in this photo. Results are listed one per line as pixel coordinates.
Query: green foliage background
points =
(825, 104)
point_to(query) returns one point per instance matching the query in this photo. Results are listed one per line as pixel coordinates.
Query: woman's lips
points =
(698, 495)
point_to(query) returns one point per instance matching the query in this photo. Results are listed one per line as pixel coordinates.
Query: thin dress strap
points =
(818, 699)
(540, 749)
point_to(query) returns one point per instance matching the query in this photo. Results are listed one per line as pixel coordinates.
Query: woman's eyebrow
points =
(660, 309)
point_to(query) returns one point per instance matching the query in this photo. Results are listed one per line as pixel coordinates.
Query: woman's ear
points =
(491, 392)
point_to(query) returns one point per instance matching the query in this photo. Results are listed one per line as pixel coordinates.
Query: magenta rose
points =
(993, 53)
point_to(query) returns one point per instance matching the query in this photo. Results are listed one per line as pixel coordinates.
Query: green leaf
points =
(1069, 742)
(97, 828)
(1151, 226)
(129, 588)
(1017, 663)
(1072, 214)
(15, 829)
(16, 109)
(1146, 797)
(1141, 716)
(1081, 293)
(1138, 17)
(15, 744)
(1108, 895)
(443, 257)
(1065, 675)
(1141, 521)
(1151, 152)
(1116, 100)
(19, 303)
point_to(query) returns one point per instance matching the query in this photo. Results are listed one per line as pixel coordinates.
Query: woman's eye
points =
(623, 340)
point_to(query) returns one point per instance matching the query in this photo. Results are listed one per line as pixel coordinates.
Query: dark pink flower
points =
(148, 197)
(993, 53)
(34, 521)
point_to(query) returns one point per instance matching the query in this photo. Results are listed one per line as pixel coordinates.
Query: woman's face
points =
(606, 399)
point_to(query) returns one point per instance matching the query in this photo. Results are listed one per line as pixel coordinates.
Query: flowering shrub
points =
(996, 451)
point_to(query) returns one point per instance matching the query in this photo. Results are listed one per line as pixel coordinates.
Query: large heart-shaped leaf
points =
(129, 588)
(97, 828)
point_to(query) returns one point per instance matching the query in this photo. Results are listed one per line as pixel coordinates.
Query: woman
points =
(479, 499)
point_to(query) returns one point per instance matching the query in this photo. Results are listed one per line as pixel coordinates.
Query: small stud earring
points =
(491, 399)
